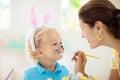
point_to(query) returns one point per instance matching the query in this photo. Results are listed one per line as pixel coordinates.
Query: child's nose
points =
(62, 47)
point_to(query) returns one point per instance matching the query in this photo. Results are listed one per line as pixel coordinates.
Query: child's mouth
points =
(59, 52)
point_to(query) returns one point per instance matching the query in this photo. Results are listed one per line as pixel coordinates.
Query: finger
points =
(77, 53)
(74, 57)
(82, 57)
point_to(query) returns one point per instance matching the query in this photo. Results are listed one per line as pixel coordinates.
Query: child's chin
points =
(60, 57)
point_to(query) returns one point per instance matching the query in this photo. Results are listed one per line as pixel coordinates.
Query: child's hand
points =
(80, 61)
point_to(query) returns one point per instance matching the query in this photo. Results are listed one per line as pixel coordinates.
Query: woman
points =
(100, 24)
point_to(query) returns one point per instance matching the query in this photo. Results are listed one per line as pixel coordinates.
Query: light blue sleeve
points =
(26, 74)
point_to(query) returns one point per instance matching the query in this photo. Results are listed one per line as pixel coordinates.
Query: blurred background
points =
(15, 22)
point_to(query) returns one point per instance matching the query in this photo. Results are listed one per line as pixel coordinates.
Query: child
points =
(45, 48)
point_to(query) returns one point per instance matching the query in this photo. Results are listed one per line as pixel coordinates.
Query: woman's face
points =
(53, 49)
(90, 34)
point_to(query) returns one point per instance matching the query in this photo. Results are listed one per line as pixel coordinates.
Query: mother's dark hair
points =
(104, 11)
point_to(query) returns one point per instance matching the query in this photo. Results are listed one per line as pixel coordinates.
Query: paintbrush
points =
(86, 54)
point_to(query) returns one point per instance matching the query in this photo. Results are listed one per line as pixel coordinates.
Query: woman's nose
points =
(83, 35)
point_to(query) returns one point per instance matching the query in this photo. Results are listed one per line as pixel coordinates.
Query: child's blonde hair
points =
(41, 36)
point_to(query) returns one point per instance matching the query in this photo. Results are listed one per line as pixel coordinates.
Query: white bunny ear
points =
(33, 20)
(33, 17)
(47, 16)
(31, 37)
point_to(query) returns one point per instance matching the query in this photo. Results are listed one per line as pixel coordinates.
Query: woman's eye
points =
(82, 29)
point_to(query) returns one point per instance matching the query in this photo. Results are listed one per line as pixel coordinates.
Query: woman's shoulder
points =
(115, 52)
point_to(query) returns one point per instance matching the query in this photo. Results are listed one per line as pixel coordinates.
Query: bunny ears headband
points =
(33, 19)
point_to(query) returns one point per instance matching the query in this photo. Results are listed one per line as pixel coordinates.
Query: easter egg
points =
(65, 78)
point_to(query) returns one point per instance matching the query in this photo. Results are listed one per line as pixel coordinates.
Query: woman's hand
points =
(80, 62)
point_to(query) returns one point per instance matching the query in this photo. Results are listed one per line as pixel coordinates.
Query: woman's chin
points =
(93, 46)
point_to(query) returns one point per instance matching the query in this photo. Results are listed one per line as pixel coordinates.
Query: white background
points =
(20, 10)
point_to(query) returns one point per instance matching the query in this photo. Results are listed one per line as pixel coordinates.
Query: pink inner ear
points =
(33, 16)
(47, 17)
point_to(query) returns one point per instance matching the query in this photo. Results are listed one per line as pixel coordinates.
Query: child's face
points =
(53, 49)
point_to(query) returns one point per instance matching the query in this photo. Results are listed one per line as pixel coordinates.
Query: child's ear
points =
(99, 26)
(39, 52)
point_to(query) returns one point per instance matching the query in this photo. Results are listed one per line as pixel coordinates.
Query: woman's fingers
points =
(78, 55)
(80, 61)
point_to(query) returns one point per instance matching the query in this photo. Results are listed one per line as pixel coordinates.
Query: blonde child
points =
(45, 48)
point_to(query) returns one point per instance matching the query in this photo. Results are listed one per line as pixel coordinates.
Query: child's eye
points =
(57, 43)
(54, 43)
(60, 42)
